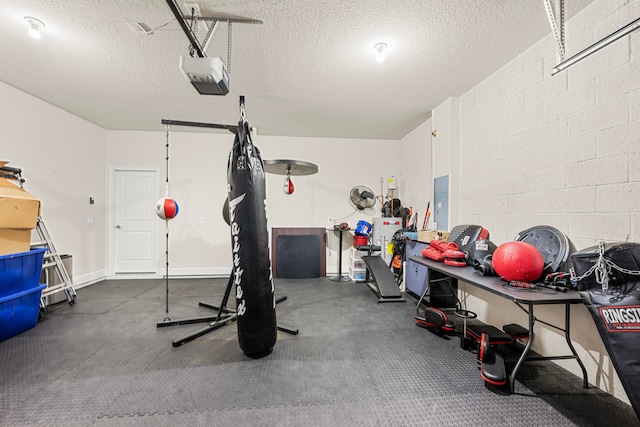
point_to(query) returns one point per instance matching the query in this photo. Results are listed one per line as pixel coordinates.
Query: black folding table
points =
(526, 300)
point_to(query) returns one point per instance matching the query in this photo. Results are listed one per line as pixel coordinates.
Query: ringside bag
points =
(608, 278)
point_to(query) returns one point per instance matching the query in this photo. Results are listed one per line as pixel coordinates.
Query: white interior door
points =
(134, 221)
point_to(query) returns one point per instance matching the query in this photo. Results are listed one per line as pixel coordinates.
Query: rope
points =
(166, 185)
(229, 47)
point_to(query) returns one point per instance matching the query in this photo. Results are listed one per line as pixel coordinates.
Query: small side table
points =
(340, 277)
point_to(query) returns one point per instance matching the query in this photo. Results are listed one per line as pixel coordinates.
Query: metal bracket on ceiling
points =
(557, 27)
(631, 26)
(556, 20)
(189, 22)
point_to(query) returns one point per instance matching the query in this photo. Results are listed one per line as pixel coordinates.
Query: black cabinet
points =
(442, 289)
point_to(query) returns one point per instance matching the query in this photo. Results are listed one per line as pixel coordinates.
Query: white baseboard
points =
(204, 272)
(88, 279)
(196, 272)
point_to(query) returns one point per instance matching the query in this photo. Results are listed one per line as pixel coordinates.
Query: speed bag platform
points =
(608, 279)
(255, 297)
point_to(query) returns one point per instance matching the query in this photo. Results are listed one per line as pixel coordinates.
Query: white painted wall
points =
(561, 151)
(199, 237)
(62, 158)
(66, 160)
(446, 152)
(416, 177)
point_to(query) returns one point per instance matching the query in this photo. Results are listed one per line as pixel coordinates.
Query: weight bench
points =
(383, 283)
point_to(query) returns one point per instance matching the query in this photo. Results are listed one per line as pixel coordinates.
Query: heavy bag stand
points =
(224, 316)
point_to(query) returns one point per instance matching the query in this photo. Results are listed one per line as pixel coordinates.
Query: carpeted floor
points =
(104, 362)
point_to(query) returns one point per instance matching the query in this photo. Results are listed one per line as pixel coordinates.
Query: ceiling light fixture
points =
(34, 26)
(380, 47)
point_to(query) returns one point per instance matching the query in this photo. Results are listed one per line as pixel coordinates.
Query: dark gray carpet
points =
(103, 362)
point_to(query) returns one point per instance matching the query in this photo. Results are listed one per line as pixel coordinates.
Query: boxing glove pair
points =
(447, 252)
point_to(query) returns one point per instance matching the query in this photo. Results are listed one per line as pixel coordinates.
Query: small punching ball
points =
(255, 298)
(167, 208)
(288, 185)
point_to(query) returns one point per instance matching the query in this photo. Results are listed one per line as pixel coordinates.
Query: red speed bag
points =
(518, 261)
(288, 187)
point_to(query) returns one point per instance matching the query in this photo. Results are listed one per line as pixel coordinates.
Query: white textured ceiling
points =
(309, 70)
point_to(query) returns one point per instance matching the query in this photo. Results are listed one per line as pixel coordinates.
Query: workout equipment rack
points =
(52, 259)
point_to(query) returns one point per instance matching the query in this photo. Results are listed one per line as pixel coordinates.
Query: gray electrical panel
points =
(441, 202)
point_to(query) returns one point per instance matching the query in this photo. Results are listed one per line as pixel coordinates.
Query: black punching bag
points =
(609, 283)
(255, 298)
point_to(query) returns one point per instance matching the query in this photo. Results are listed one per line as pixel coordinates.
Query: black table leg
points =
(340, 277)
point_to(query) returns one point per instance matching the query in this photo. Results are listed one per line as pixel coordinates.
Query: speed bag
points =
(615, 312)
(255, 297)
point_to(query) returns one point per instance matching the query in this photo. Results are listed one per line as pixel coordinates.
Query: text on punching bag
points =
(237, 271)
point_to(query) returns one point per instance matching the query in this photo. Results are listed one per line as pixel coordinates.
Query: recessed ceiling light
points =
(380, 47)
(34, 26)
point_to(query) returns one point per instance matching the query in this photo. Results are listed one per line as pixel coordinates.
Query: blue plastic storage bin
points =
(19, 312)
(21, 271)
(363, 228)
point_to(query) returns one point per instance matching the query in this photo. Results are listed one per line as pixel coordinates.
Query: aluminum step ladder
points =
(53, 259)
(51, 256)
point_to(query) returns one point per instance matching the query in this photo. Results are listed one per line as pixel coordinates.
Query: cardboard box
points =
(19, 212)
(14, 240)
(426, 236)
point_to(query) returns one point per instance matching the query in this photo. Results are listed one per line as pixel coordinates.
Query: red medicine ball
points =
(520, 261)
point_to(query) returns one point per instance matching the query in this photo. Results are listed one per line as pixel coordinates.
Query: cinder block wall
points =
(559, 150)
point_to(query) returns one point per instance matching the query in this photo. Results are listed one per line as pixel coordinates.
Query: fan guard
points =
(362, 197)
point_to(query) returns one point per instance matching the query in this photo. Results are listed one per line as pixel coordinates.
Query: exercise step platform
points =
(494, 335)
(384, 284)
(492, 367)
(516, 331)
(436, 320)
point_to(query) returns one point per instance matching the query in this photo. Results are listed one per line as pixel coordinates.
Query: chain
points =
(601, 269)
(229, 49)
